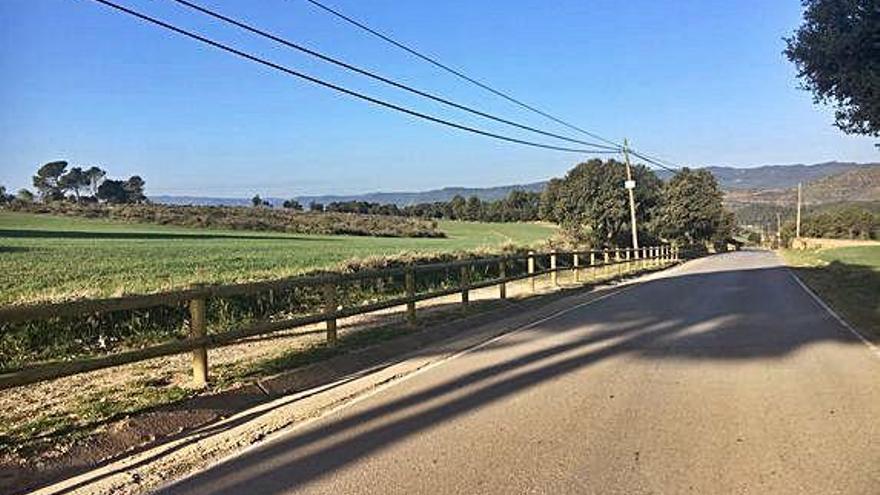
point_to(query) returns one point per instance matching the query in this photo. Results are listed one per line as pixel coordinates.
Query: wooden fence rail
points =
(199, 341)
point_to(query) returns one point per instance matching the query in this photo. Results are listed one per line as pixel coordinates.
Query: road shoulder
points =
(233, 435)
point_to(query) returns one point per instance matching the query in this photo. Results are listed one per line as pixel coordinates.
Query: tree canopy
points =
(837, 54)
(692, 210)
(591, 204)
(48, 180)
(53, 180)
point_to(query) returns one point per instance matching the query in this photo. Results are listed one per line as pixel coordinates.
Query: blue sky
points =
(700, 82)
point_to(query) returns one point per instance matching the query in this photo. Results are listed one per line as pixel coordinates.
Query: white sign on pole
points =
(630, 184)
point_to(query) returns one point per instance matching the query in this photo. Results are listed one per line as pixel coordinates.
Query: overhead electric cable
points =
(461, 75)
(654, 162)
(377, 77)
(340, 89)
(433, 61)
(667, 162)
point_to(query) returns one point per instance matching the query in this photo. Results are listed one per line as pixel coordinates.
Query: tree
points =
(837, 55)
(315, 206)
(473, 209)
(74, 180)
(520, 206)
(257, 201)
(292, 204)
(25, 196)
(134, 189)
(48, 180)
(113, 191)
(95, 176)
(549, 200)
(458, 205)
(591, 204)
(692, 210)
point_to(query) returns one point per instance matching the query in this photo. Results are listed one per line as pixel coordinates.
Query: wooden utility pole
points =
(630, 186)
(798, 224)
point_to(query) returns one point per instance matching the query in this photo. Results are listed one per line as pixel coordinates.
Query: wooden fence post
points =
(502, 274)
(592, 264)
(617, 258)
(465, 282)
(330, 310)
(576, 263)
(531, 269)
(554, 275)
(198, 327)
(410, 282)
(606, 258)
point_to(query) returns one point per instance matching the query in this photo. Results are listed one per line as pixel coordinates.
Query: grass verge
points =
(51, 258)
(848, 279)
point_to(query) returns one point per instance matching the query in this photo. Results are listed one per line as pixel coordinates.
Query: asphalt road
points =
(721, 377)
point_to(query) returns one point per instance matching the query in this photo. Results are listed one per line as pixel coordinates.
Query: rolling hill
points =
(857, 184)
(763, 184)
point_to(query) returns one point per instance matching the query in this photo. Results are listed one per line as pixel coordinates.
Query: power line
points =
(457, 73)
(656, 159)
(340, 89)
(377, 77)
(654, 162)
(433, 61)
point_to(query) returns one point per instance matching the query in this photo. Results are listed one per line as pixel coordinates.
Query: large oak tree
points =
(692, 211)
(591, 204)
(837, 54)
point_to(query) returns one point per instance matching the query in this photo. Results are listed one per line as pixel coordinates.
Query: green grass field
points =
(51, 258)
(847, 278)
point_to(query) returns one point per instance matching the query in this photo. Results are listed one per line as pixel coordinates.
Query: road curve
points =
(723, 376)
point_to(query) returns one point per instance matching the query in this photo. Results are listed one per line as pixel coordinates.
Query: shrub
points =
(241, 218)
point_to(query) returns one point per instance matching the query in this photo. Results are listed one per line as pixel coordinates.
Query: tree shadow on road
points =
(747, 315)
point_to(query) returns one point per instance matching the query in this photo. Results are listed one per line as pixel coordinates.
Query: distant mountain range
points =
(445, 194)
(398, 198)
(857, 182)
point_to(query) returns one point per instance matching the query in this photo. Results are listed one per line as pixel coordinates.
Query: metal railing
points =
(199, 340)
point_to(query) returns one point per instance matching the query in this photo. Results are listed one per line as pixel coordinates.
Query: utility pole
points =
(798, 224)
(778, 230)
(630, 186)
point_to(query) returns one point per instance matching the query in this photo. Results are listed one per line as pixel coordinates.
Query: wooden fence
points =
(199, 340)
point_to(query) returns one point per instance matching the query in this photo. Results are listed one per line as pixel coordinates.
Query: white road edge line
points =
(836, 316)
(394, 381)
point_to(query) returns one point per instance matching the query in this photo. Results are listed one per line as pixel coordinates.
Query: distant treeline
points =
(847, 220)
(518, 206)
(590, 203)
(842, 222)
(243, 218)
(55, 182)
